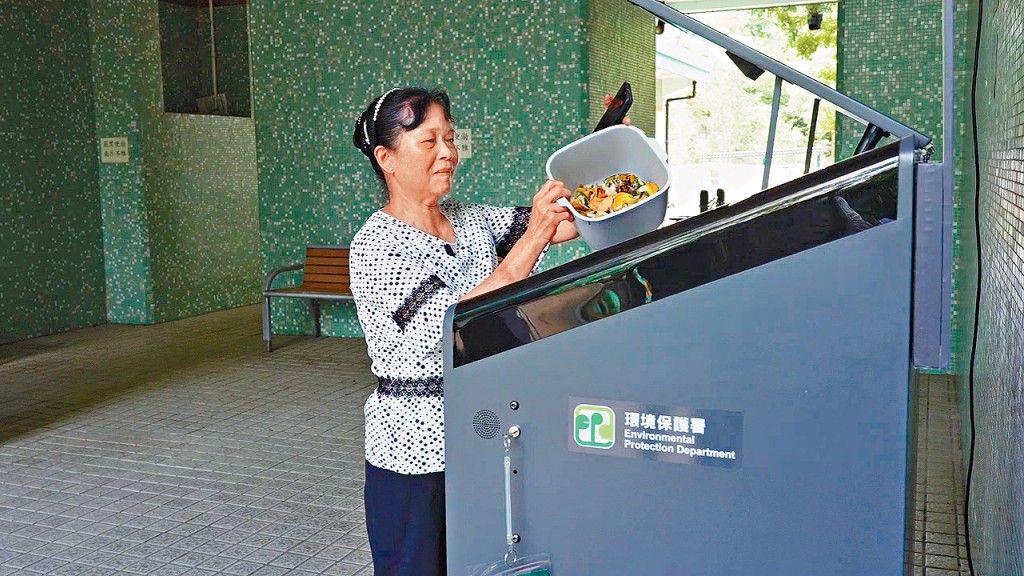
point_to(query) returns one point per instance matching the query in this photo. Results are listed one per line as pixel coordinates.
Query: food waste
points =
(614, 194)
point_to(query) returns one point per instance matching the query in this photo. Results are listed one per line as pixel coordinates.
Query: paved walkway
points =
(184, 448)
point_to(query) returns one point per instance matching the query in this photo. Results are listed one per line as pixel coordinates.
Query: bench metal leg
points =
(266, 324)
(314, 310)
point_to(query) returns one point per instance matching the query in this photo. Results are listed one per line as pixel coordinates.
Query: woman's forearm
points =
(516, 266)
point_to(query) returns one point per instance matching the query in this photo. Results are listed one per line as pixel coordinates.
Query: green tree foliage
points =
(793, 22)
(731, 113)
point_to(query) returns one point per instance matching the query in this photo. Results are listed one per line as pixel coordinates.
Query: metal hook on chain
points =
(511, 539)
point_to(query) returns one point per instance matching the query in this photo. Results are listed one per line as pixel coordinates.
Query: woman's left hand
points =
(608, 102)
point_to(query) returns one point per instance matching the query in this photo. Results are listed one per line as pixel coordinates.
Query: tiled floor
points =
(939, 523)
(183, 448)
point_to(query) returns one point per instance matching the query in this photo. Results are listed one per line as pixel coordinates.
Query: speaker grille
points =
(486, 424)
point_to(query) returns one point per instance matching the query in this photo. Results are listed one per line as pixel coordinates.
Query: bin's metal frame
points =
(934, 199)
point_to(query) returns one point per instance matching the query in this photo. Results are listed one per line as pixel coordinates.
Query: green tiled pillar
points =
(51, 245)
(124, 74)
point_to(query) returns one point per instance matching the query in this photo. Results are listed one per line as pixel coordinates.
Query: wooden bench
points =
(324, 277)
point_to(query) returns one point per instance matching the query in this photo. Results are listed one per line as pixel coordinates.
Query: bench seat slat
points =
(325, 278)
(328, 252)
(318, 295)
(339, 271)
(327, 261)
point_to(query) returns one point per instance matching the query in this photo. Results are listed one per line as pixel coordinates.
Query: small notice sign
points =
(464, 142)
(114, 150)
(668, 433)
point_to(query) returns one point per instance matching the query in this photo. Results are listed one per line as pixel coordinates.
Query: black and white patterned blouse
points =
(403, 281)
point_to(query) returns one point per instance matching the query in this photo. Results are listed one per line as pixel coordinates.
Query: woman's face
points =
(425, 159)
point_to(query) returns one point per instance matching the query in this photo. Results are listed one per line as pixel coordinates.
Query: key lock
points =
(511, 538)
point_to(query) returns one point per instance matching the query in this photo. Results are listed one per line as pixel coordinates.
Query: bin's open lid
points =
(850, 197)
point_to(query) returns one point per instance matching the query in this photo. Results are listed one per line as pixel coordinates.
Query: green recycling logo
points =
(594, 426)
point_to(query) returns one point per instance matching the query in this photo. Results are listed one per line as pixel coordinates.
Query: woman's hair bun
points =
(360, 136)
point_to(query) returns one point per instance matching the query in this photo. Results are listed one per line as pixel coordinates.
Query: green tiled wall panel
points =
(620, 47)
(880, 41)
(231, 32)
(964, 254)
(202, 209)
(126, 76)
(997, 510)
(51, 245)
(184, 62)
(516, 72)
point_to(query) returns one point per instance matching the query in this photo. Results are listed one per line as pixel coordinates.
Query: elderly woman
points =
(412, 259)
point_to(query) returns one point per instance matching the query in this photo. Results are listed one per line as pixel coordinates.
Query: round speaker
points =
(486, 424)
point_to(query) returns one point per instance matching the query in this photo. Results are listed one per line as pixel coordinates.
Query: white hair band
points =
(376, 111)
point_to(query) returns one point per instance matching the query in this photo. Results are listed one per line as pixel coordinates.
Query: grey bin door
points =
(799, 364)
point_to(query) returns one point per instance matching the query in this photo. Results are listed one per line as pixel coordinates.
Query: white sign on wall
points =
(464, 142)
(114, 150)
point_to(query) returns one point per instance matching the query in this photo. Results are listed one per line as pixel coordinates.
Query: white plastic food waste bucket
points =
(614, 150)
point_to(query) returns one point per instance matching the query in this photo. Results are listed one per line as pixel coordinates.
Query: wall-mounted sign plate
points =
(464, 142)
(114, 150)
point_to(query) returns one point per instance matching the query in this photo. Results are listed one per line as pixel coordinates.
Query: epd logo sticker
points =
(594, 426)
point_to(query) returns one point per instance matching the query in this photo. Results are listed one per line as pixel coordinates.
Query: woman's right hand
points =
(547, 214)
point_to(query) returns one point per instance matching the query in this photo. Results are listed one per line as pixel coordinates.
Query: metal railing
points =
(753, 63)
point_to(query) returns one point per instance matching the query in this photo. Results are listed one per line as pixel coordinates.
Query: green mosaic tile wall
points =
(185, 55)
(620, 48)
(202, 209)
(126, 80)
(517, 73)
(231, 32)
(51, 246)
(180, 228)
(997, 510)
(965, 264)
(880, 41)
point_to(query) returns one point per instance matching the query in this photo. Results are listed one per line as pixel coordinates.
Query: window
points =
(204, 51)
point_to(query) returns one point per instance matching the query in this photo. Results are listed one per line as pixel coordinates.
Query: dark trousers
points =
(405, 522)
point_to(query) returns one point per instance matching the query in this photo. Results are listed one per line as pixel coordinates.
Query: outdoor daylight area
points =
(700, 90)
